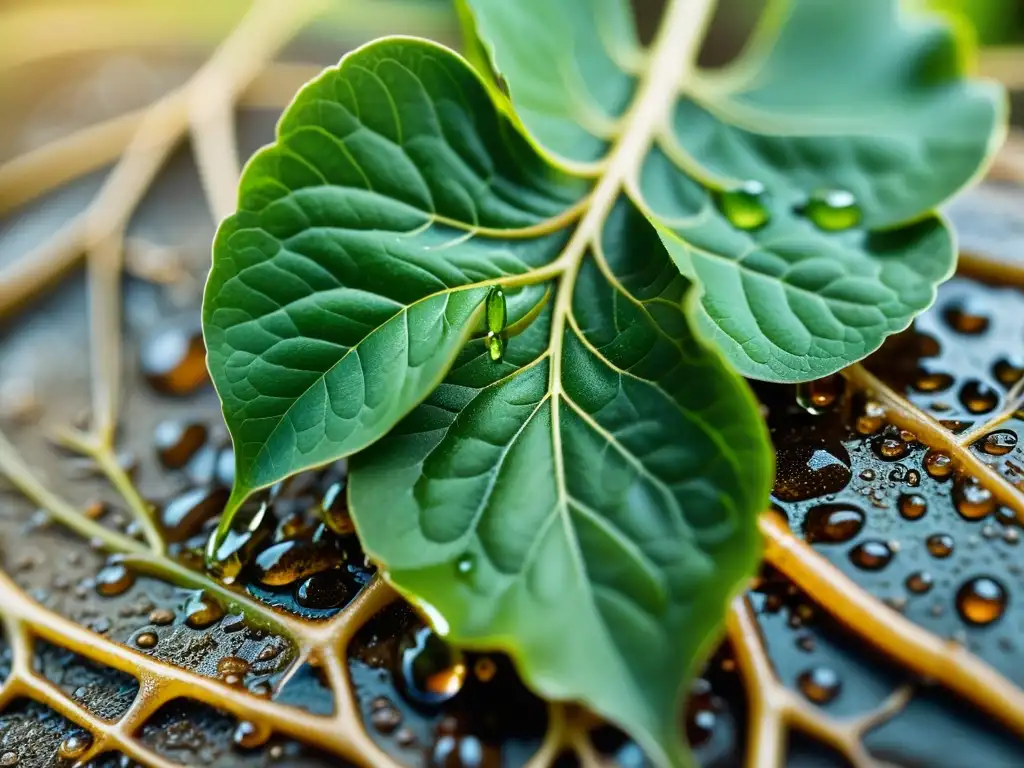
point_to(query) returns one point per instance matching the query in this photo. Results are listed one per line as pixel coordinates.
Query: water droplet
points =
(146, 640)
(832, 523)
(176, 442)
(1008, 372)
(497, 311)
(808, 471)
(833, 210)
(871, 419)
(334, 509)
(938, 465)
(202, 611)
(250, 735)
(973, 500)
(463, 751)
(999, 443)
(161, 616)
(281, 564)
(385, 719)
(978, 398)
(913, 478)
(495, 346)
(183, 516)
(114, 579)
(891, 445)
(932, 381)
(485, 669)
(818, 397)
(9, 759)
(701, 720)
(819, 684)
(432, 672)
(745, 205)
(963, 320)
(226, 555)
(913, 506)
(232, 669)
(981, 601)
(867, 475)
(466, 564)
(940, 545)
(173, 360)
(919, 582)
(74, 746)
(322, 591)
(871, 555)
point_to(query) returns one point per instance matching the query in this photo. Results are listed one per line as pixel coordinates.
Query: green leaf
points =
(620, 463)
(587, 506)
(863, 97)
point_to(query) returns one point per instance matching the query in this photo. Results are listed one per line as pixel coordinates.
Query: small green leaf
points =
(863, 102)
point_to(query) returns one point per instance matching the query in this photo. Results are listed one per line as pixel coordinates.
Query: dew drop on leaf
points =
(913, 506)
(497, 312)
(981, 600)
(832, 523)
(465, 565)
(999, 443)
(833, 210)
(871, 555)
(431, 671)
(819, 684)
(744, 205)
(919, 582)
(495, 346)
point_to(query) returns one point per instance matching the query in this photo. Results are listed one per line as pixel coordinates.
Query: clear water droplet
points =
(981, 601)
(431, 671)
(833, 210)
(465, 565)
(745, 205)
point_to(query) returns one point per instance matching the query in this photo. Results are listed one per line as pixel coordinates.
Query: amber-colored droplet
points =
(981, 601)
(485, 669)
(940, 545)
(932, 381)
(322, 591)
(183, 516)
(919, 582)
(232, 669)
(114, 579)
(201, 611)
(820, 396)
(999, 443)
(938, 465)
(226, 555)
(871, 555)
(250, 735)
(963, 320)
(978, 398)
(972, 500)
(281, 564)
(174, 360)
(161, 616)
(832, 523)
(74, 746)
(819, 684)
(913, 478)
(334, 509)
(890, 445)
(1008, 372)
(176, 441)
(871, 419)
(146, 640)
(431, 672)
(913, 506)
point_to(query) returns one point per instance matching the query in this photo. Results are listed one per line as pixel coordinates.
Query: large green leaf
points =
(587, 503)
(863, 97)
